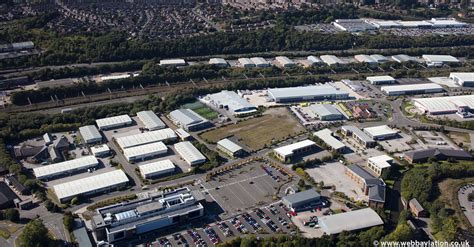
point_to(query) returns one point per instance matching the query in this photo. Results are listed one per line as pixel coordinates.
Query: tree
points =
(301, 184)
(68, 221)
(75, 201)
(11, 214)
(35, 234)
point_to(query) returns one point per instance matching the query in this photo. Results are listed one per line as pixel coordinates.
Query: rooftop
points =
(445, 104)
(113, 121)
(295, 92)
(145, 149)
(326, 136)
(189, 152)
(359, 133)
(350, 221)
(145, 138)
(89, 132)
(158, 166)
(381, 130)
(150, 120)
(289, 149)
(325, 109)
(186, 117)
(381, 161)
(301, 196)
(380, 78)
(62, 167)
(232, 100)
(411, 87)
(229, 145)
(440, 58)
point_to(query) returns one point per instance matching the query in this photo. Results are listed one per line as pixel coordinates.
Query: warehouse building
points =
(146, 151)
(420, 156)
(157, 169)
(349, 221)
(65, 168)
(463, 79)
(380, 163)
(232, 102)
(463, 105)
(326, 112)
(326, 136)
(381, 132)
(150, 120)
(331, 60)
(159, 210)
(100, 150)
(287, 152)
(362, 58)
(359, 136)
(384, 24)
(163, 135)
(313, 60)
(403, 58)
(309, 93)
(447, 23)
(374, 188)
(90, 134)
(439, 60)
(304, 200)
(182, 134)
(379, 58)
(189, 120)
(246, 62)
(172, 62)
(113, 122)
(260, 62)
(424, 88)
(220, 62)
(285, 62)
(353, 25)
(379, 80)
(230, 148)
(189, 153)
(91, 185)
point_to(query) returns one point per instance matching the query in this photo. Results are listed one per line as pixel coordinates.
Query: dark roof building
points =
(7, 196)
(13, 181)
(418, 156)
(302, 200)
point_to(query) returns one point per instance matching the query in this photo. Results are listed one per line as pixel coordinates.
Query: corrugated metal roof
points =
(350, 221)
(144, 150)
(381, 161)
(188, 152)
(231, 100)
(381, 130)
(186, 117)
(89, 184)
(89, 132)
(110, 122)
(359, 133)
(382, 78)
(158, 166)
(62, 167)
(444, 104)
(412, 87)
(150, 120)
(325, 110)
(229, 145)
(302, 196)
(289, 149)
(145, 138)
(309, 91)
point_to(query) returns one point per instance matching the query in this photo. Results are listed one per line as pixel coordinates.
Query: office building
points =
(326, 136)
(358, 135)
(299, 201)
(381, 132)
(379, 164)
(287, 152)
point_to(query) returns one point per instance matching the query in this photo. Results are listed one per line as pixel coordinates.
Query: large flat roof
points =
(155, 147)
(229, 145)
(232, 100)
(381, 161)
(145, 138)
(330, 59)
(412, 87)
(440, 58)
(89, 132)
(188, 152)
(65, 166)
(326, 136)
(158, 166)
(90, 184)
(445, 104)
(463, 76)
(289, 149)
(359, 133)
(302, 196)
(350, 221)
(309, 91)
(325, 109)
(176, 61)
(380, 78)
(150, 120)
(110, 122)
(186, 117)
(381, 130)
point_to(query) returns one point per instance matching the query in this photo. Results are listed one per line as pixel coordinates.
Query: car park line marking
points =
(250, 194)
(237, 182)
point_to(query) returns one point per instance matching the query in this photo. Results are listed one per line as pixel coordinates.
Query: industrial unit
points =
(379, 58)
(326, 112)
(90, 134)
(189, 153)
(403, 58)
(463, 79)
(156, 169)
(423, 88)
(331, 60)
(159, 210)
(113, 122)
(285, 62)
(353, 25)
(381, 132)
(230, 148)
(246, 62)
(302, 200)
(353, 220)
(446, 105)
(218, 62)
(172, 62)
(142, 152)
(439, 60)
(287, 152)
(150, 120)
(313, 60)
(362, 58)
(379, 80)
(309, 93)
(65, 168)
(189, 120)
(260, 62)
(231, 101)
(146, 138)
(326, 136)
(100, 150)
(100, 183)
(182, 134)
(361, 137)
(379, 163)
(48, 139)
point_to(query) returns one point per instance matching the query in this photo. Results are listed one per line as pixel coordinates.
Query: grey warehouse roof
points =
(325, 110)
(302, 196)
(294, 92)
(350, 221)
(188, 152)
(150, 120)
(356, 131)
(89, 132)
(229, 145)
(63, 167)
(232, 100)
(186, 117)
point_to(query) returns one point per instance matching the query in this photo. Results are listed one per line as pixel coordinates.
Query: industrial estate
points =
(354, 141)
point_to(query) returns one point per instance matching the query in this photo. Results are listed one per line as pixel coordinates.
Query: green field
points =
(202, 110)
(274, 126)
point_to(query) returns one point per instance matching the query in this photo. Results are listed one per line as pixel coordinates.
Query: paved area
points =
(466, 205)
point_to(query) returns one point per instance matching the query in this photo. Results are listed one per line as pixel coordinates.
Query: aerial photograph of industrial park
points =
(236, 123)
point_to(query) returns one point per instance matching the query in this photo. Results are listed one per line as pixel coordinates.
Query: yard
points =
(202, 110)
(274, 126)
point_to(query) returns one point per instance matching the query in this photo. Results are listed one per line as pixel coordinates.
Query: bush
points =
(11, 214)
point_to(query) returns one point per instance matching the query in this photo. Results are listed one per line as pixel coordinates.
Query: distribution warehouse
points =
(331, 60)
(378, 80)
(146, 151)
(463, 79)
(423, 88)
(155, 169)
(146, 137)
(90, 134)
(326, 112)
(309, 93)
(189, 153)
(91, 185)
(349, 221)
(150, 120)
(188, 120)
(231, 101)
(445, 105)
(65, 168)
(113, 122)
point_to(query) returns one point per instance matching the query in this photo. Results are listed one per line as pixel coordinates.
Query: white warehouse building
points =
(189, 153)
(156, 169)
(379, 80)
(113, 122)
(231, 101)
(218, 62)
(65, 168)
(140, 153)
(189, 120)
(150, 120)
(463, 79)
(246, 62)
(167, 134)
(331, 60)
(380, 132)
(362, 58)
(285, 62)
(173, 62)
(445, 105)
(287, 152)
(260, 62)
(423, 88)
(309, 93)
(90, 134)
